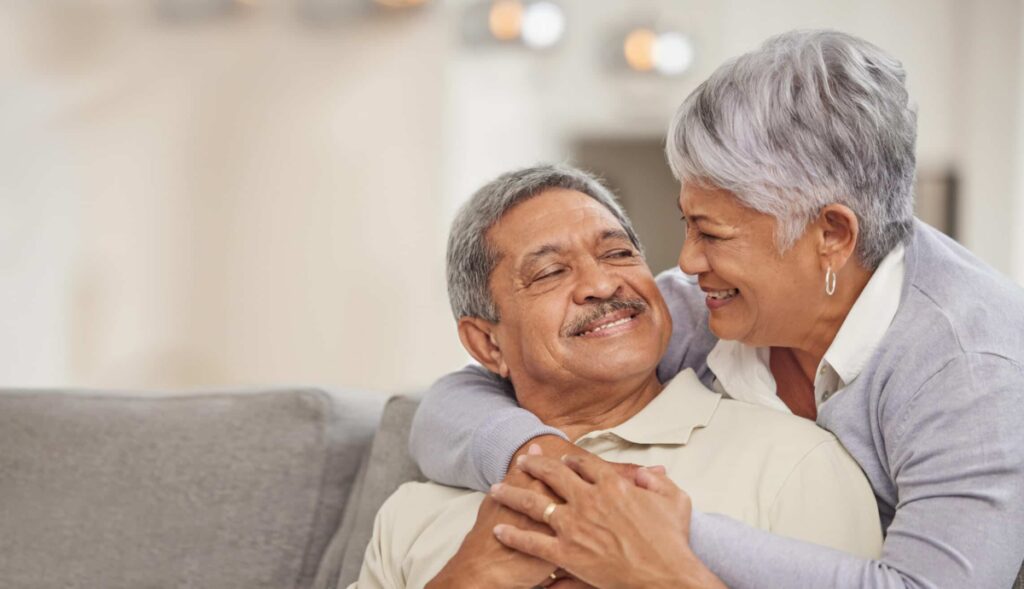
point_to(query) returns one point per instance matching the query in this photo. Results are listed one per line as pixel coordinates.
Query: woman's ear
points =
(839, 230)
(479, 338)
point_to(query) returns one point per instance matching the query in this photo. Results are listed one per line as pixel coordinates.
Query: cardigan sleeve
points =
(956, 454)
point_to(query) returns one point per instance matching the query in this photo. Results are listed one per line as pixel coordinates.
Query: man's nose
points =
(596, 282)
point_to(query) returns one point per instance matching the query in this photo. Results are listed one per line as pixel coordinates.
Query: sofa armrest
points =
(384, 469)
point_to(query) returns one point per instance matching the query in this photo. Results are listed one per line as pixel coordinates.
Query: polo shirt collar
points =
(683, 406)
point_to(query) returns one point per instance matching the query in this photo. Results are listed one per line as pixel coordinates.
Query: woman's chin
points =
(725, 328)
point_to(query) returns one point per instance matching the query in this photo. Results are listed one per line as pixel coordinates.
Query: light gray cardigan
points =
(936, 420)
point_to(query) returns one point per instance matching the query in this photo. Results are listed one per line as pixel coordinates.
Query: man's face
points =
(577, 302)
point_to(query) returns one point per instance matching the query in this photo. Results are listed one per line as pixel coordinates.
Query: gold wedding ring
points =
(548, 511)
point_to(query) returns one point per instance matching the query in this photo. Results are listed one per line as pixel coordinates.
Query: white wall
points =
(254, 201)
(989, 110)
(249, 202)
(1016, 234)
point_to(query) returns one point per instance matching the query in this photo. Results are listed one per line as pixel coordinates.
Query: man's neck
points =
(586, 407)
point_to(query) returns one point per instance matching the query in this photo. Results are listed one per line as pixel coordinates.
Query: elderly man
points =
(550, 290)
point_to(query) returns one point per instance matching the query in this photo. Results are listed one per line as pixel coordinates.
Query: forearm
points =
(467, 429)
(747, 558)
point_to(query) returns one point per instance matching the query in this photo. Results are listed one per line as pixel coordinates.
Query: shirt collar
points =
(683, 406)
(742, 372)
(868, 320)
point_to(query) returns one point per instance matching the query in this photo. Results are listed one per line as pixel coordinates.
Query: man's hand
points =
(482, 561)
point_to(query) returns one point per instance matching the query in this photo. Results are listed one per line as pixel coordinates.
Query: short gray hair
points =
(471, 259)
(808, 119)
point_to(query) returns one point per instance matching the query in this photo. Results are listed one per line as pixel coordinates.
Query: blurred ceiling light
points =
(670, 53)
(506, 19)
(639, 49)
(543, 25)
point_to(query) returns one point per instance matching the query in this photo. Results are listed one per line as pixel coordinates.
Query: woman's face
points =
(754, 294)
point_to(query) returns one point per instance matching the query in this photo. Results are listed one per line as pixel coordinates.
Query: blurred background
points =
(257, 192)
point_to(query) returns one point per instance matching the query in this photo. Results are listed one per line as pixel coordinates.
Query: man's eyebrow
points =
(540, 252)
(608, 234)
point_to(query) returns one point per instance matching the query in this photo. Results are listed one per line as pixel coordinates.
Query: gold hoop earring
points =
(830, 282)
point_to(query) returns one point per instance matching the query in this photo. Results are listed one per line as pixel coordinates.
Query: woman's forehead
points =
(700, 201)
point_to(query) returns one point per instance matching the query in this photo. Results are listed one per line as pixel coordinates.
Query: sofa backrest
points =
(241, 489)
(384, 469)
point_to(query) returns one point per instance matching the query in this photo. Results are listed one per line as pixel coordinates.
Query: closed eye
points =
(549, 274)
(700, 235)
(621, 254)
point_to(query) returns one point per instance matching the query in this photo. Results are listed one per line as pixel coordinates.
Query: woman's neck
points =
(811, 348)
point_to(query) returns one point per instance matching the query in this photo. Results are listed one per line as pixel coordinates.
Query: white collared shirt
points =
(742, 372)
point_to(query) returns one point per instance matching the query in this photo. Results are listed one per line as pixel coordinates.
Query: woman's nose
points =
(692, 259)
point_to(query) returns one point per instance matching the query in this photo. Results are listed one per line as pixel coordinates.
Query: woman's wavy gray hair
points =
(808, 119)
(471, 259)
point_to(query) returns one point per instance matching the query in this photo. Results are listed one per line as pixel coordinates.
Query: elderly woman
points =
(808, 287)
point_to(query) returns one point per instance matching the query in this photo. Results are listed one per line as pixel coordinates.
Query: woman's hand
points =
(610, 532)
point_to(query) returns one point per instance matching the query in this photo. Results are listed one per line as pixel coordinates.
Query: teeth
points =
(723, 294)
(607, 325)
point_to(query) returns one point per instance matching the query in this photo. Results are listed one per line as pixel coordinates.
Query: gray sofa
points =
(274, 488)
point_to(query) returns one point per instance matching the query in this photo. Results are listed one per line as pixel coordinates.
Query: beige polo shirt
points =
(765, 468)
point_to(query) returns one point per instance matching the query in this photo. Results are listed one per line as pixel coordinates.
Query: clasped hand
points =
(609, 531)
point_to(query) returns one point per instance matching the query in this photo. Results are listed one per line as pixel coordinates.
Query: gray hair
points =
(471, 259)
(809, 119)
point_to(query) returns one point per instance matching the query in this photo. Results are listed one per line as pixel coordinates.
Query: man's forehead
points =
(554, 217)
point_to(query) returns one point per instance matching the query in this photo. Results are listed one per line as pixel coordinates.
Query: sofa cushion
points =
(387, 466)
(219, 490)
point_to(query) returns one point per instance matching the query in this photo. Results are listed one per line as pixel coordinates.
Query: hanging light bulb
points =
(672, 53)
(669, 53)
(505, 19)
(543, 25)
(639, 49)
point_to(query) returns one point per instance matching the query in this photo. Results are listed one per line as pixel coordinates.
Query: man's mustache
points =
(600, 310)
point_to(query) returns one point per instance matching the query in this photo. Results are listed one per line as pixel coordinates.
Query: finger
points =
(569, 583)
(591, 468)
(535, 544)
(560, 478)
(527, 502)
(658, 469)
(656, 481)
(535, 450)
